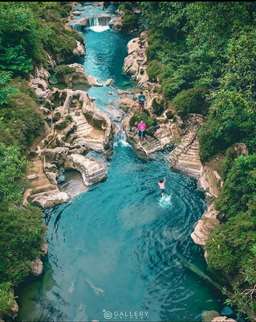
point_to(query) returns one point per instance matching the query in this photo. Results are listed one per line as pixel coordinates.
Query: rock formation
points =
(92, 170)
(79, 50)
(205, 225)
(37, 267)
(135, 62)
(75, 126)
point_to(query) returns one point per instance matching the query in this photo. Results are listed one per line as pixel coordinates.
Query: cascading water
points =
(113, 250)
(121, 138)
(98, 23)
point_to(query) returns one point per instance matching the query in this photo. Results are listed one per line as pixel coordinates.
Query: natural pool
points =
(114, 247)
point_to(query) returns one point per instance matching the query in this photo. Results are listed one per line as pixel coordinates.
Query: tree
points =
(12, 165)
(239, 189)
(231, 119)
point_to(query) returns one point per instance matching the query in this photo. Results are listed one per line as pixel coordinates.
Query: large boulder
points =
(37, 267)
(210, 181)
(205, 225)
(222, 319)
(50, 199)
(92, 170)
(92, 81)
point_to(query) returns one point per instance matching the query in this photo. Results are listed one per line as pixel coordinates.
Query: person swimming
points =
(161, 184)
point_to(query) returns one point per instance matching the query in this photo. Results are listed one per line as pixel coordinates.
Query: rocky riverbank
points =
(183, 136)
(73, 127)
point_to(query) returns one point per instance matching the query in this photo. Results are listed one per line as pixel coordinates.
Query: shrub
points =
(231, 119)
(6, 298)
(239, 188)
(61, 72)
(20, 123)
(63, 124)
(12, 165)
(154, 69)
(192, 100)
(229, 242)
(158, 106)
(21, 234)
(137, 117)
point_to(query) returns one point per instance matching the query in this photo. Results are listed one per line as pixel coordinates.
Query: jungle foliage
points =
(203, 54)
(30, 33)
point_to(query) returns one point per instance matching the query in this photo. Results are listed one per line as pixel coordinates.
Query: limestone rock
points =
(108, 82)
(51, 167)
(52, 176)
(210, 181)
(44, 248)
(135, 62)
(57, 154)
(92, 170)
(127, 102)
(75, 76)
(80, 23)
(50, 199)
(185, 157)
(93, 81)
(37, 267)
(205, 225)
(222, 319)
(32, 176)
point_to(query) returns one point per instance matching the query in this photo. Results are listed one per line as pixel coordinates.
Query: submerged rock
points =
(207, 316)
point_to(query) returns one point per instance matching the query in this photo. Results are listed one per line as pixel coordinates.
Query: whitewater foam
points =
(99, 28)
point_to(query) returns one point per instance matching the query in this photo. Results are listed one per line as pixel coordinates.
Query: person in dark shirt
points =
(141, 99)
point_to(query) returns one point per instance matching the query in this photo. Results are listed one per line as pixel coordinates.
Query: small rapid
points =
(113, 249)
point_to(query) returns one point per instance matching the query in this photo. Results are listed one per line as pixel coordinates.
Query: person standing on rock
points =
(141, 127)
(141, 99)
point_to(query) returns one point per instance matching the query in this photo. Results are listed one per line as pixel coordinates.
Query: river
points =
(112, 250)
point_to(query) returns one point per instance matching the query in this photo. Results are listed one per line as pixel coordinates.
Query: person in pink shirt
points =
(141, 127)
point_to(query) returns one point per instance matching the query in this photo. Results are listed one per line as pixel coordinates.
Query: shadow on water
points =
(114, 247)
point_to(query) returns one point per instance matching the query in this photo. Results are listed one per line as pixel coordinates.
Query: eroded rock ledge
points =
(74, 127)
(185, 155)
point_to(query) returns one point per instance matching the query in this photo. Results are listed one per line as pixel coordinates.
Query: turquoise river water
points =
(112, 250)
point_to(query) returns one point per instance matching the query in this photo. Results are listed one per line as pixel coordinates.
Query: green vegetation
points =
(158, 106)
(6, 297)
(130, 21)
(29, 33)
(203, 54)
(144, 116)
(192, 100)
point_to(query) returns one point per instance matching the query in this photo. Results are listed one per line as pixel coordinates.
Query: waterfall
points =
(99, 23)
(121, 138)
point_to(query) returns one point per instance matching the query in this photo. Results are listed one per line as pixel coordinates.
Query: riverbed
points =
(112, 250)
